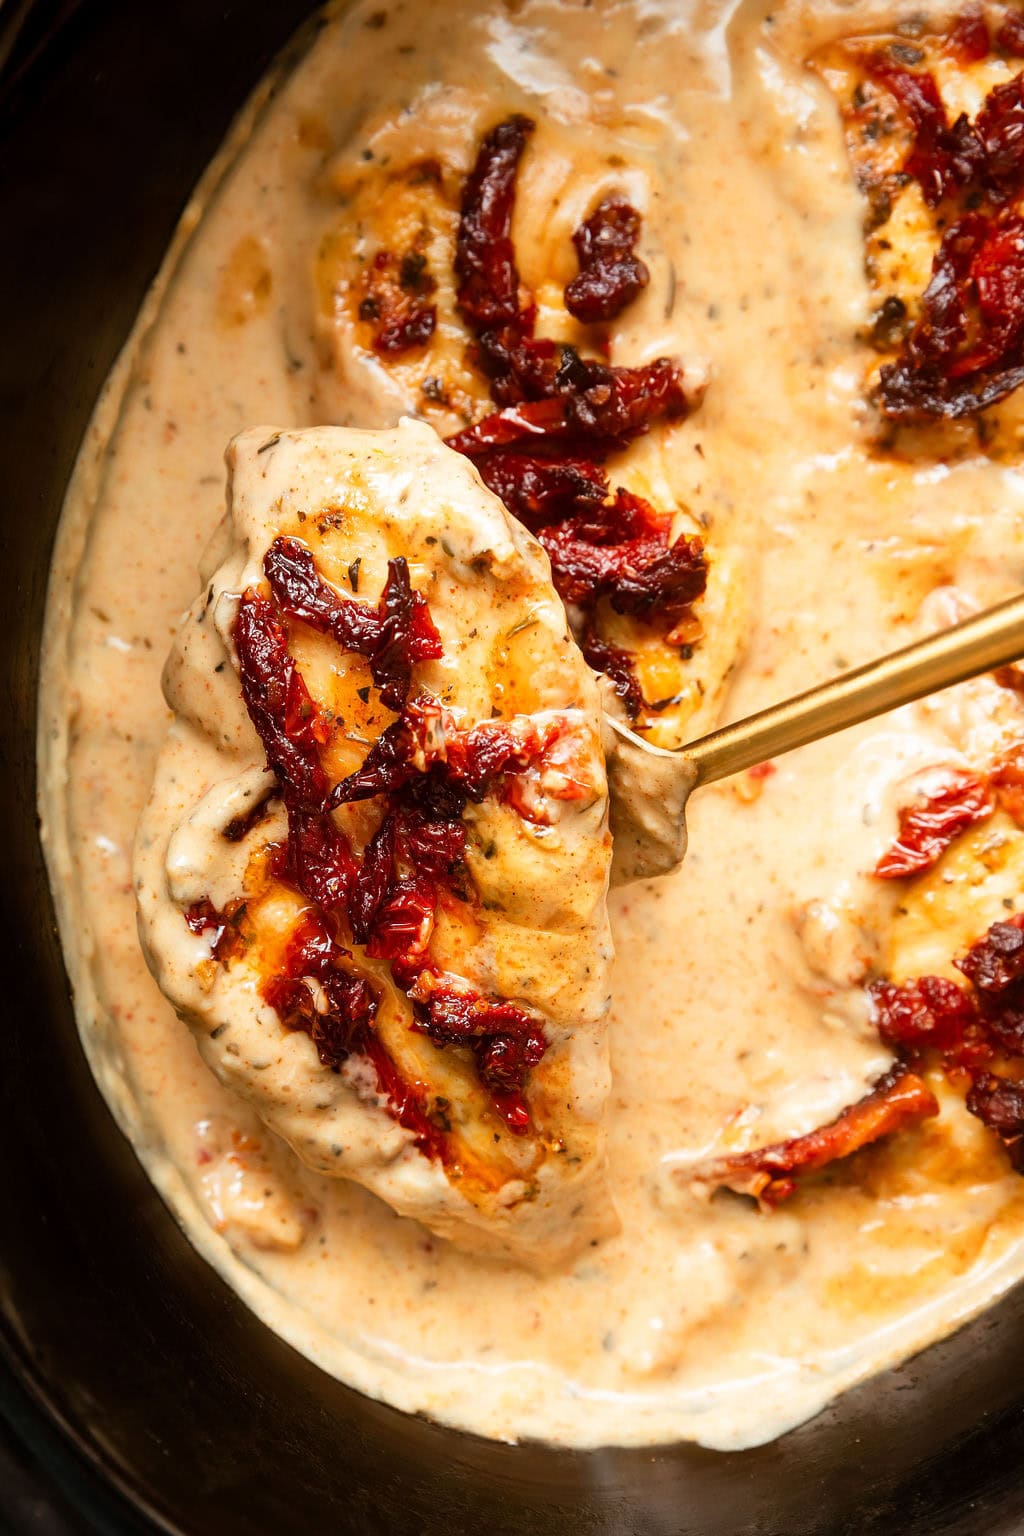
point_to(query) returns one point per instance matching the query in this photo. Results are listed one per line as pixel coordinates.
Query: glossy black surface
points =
(157, 1374)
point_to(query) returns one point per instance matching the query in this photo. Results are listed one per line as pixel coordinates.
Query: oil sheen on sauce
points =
(735, 1009)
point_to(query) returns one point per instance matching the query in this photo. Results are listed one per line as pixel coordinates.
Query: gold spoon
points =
(650, 785)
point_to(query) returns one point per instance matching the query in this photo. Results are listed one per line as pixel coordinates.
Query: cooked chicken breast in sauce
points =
(410, 983)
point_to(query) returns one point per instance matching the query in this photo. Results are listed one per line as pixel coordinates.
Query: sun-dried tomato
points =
(611, 274)
(316, 858)
(426, 737)
(930, 1013)
(303, 594)
(943, 158)
(592, 405)
(339, 1016)
(618, 666)
(406, 1103)
(996, 962)
(394, 636)
(506, 1041)
(432, 834)
(1000, 130)
(485, 258)
(967, 350)
(403, 922)
(279, 703)
(407, 636)
(928, 827)
(1010, 35)
(968, 39)
(228, 927)
(541, 485)
(770, 1174)
(977, 1030)
(999, 1104)
(374, 881)
(638, 575)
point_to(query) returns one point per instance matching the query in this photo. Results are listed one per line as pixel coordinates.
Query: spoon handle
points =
(990, 639)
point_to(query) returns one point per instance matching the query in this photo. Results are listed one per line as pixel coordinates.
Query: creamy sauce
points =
(737, 1016)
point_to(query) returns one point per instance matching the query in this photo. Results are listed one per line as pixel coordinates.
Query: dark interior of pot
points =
(153, 1369)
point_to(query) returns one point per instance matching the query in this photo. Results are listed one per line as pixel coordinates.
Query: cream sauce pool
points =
(736, 1011)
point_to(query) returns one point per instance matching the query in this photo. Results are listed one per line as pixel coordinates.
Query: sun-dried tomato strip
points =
(407, 636)
(995, 964)
(485, 258)
(638, 576)
(592, 405)
(999, 127)
(339, 1015)
(999, 1104)
(617, 665)
(931, 1013)
(279, 703)
(929, 826)
(543, 485)
(303, 594)
(611, 274)
(506, 1041)
(317, 859)
(967, 350)
(943, 158)
(770, 1174)
(426, 736)
(394, 636)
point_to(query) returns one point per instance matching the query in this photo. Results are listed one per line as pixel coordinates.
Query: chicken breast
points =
(458, 235)
(372, 872)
